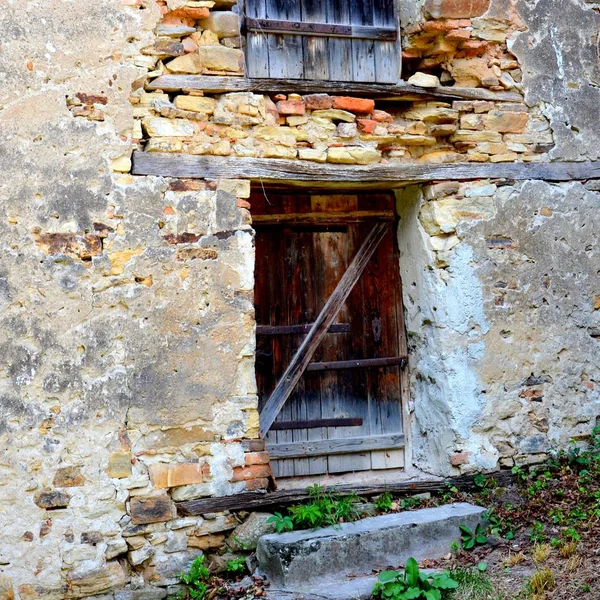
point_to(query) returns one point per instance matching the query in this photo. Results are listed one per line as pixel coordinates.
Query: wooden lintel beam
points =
(324, 218)
(299, 172)
(261, 500)
(400, 91)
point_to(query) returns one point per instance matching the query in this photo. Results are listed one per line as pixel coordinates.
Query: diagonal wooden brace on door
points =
(318, 331)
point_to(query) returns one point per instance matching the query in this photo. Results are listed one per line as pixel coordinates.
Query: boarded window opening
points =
(329, 40)
(345, 413)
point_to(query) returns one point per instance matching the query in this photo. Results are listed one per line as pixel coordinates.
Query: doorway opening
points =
(345, 412)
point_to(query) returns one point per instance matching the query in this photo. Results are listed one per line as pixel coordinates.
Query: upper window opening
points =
(329, 40)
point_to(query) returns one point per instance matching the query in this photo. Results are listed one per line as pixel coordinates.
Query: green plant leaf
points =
(433, 595)
(386, 576)
(466, 530)
(411, 569)
(482, 567)
(481, 539)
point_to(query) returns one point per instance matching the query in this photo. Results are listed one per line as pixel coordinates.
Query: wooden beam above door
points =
(305, 173)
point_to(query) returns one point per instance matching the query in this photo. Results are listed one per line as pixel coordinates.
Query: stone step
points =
(298, 559)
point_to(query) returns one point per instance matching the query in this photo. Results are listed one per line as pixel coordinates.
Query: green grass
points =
(475, 585)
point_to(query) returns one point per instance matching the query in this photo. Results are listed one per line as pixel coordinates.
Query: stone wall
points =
(127, 324)
(457, 44)
(503, 318)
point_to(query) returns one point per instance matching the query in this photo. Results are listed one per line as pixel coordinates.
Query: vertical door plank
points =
(316, 49)
(363, 51)
(283, 204)
(285, 51)
(257, 51)
(355, 381)
(387, 54)
(381, 338)
(340, 50)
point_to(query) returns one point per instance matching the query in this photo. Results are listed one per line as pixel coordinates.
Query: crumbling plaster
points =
(503, 321)
(559, 54)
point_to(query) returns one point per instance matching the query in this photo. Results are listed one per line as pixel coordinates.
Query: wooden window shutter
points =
(333, 40)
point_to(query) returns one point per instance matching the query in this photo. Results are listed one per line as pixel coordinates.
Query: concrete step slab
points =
(296, 560)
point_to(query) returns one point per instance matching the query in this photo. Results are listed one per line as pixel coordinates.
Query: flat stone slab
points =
(295, 560)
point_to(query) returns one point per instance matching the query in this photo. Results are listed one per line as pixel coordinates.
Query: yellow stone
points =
(188, 63)
(122, 164)
(120, 258)
(200, 104)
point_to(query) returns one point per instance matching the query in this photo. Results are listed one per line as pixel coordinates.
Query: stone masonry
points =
(127, 323)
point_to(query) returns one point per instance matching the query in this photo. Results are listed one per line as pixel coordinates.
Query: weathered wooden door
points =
(335, 40)
(345, 412)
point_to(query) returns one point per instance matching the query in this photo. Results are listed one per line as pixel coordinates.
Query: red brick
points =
(318, 101)
(455, 9)
(189, 12)
(252, 472)
(257, 458)
(459, 458)
(366, 125)
(442, 25)
(458, 35)
(361, 106)
(257, 484)
(172, 475)
(240, 203)
(291, 107)
(382, 117)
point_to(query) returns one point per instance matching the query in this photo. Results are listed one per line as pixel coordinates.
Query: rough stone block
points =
(246, 535)
(353, 155)
(51, 499)
(119, 465)
(298, 558)
(68, 477)
(455, 9)
(222, 22)
(151, 509)
(161, 127)
(220, 58)
(200, 104)
(6, 588)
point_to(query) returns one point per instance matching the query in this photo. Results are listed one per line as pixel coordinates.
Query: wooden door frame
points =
(404, 379)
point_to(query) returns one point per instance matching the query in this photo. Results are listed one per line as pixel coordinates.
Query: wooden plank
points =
(296, 171)
(325, 319)
(340, 50)
(316, 49)
(381, 341)
(298, 329)
(336, 446)
(313, 424)
(361, 363)
(257, 44)
(322, 29)
(263, 84)
(334, 218)
(387, 54)
(285, 51)
(260, 500)
(363, 51)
